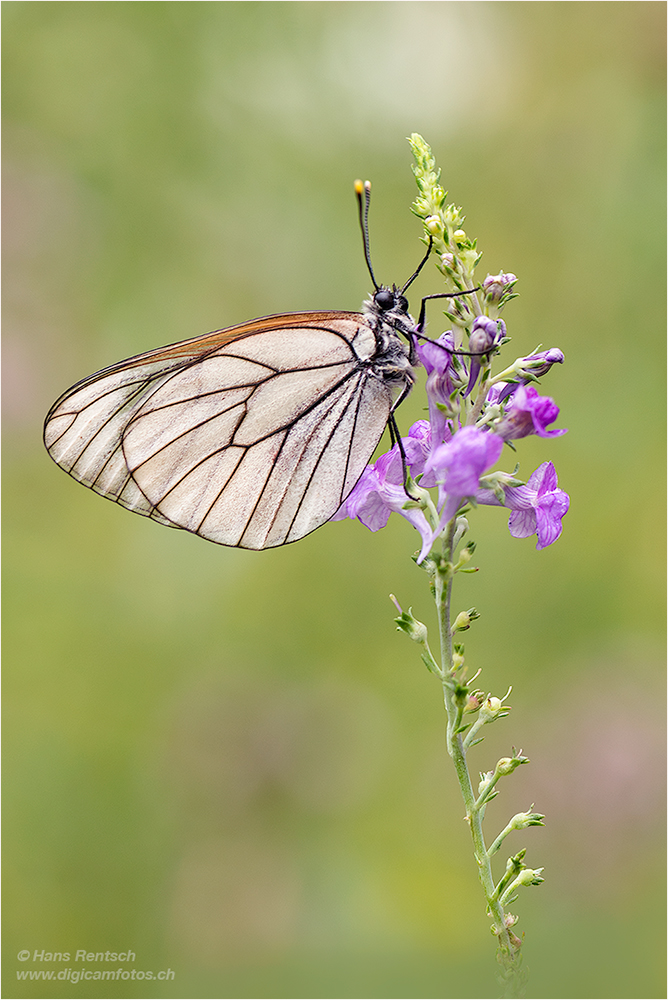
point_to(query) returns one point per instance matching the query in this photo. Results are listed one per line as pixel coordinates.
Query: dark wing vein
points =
(357, 401)
(305, 445)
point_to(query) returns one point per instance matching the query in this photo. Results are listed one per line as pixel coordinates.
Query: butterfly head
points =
(390, 299)
(387, 315)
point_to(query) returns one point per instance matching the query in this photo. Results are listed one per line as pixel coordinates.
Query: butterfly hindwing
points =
(83, 430)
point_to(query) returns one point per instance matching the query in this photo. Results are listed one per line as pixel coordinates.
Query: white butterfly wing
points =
(250, 437)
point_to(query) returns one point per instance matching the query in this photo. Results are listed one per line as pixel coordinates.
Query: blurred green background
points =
(230, 762)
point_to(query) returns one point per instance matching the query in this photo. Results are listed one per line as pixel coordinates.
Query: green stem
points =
(509, 955)
(499, 840)
(483, 389)
(473, 732)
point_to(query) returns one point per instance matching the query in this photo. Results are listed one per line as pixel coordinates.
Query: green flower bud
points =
(457, 658)
(521, 821)
(498, 482)
(491, 709)
(485, 778)
(463, 620)
(530, 876)
(406, 622)
(508, 764)
(452, 217)
(469, 259)
(494, 708)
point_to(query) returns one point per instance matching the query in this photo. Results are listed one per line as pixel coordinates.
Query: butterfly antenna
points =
(363, 206)
(420, 265)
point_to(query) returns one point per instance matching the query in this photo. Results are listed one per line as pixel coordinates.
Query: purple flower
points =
(536, 508)
(379, 491)
(418, 446)
(528, 370)
(436, 356)
(485, 334)
(459, 464)
(456, 466)
(528, 413)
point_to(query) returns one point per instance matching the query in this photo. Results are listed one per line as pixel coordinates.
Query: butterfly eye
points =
(384, 298)
(402, 303)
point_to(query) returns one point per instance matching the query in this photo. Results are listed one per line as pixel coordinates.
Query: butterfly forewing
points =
(251, 436)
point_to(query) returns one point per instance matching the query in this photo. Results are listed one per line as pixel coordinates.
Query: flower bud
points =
(506, 765)
(527, 876)
(453, 217)
(448, 259)
(539, 364)
(498, 483)
(433, 224)
(495, 286)
(458, 658)
(463, 620)
(494, 708)
(485, 778)
(415, 630)
(469, 259)
(522, 820)
(491, 708)
(485, 334)
(461, 527)
(516, 862)
(530, 876)
(475, 700)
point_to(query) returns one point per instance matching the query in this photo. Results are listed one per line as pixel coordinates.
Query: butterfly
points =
(252, 436)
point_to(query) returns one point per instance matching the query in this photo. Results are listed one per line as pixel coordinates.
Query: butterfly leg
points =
(395, 437)
(419, 329)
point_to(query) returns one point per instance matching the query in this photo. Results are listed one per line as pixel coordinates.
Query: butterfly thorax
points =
(393, 329)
